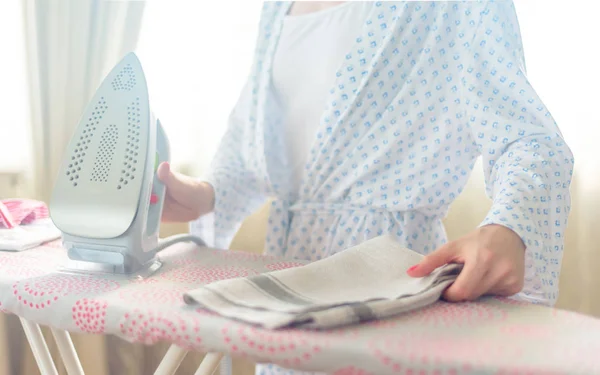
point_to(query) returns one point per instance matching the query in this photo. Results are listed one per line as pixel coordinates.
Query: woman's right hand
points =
(186, 198)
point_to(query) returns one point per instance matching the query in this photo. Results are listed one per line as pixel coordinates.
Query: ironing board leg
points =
(67, 352)
(171, 361)
(39, 348)
(209, 364)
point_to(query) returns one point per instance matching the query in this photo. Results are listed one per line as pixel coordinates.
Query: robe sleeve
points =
(527, 164)
(238, 193)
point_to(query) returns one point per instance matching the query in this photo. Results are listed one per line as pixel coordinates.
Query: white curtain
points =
(14, 155)
(70, 46)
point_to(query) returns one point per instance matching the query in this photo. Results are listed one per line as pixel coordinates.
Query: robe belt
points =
(284, 207)
(281, 212)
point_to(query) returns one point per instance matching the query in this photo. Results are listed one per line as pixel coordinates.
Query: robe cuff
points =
(515, 219)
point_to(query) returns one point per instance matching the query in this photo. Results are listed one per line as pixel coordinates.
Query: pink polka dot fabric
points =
(14, 212)
(492, 336)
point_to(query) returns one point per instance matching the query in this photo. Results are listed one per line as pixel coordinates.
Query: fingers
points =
(485, 285)
(182, 189)
(499, 280)
(182, 199)
(507, 279)
(473, 280)
(175, 212)
(492, 265)
(163, 172)
(172, 216)
(438, 258)
(468, 284)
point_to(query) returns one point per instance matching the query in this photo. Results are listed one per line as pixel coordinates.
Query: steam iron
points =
(101, 200)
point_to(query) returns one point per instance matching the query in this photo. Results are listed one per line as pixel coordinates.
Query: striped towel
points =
(363, 283)
(15, 212)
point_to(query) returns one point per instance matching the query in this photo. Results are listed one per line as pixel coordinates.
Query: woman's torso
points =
(365, 157)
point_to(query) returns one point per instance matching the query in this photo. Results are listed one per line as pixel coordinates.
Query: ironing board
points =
(491, 336)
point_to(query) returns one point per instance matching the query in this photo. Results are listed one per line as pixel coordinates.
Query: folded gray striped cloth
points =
(362, 283)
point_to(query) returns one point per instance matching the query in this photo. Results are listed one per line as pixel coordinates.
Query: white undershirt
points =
(309, 52)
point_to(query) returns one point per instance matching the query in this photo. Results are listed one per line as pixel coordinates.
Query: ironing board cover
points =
(490, 336)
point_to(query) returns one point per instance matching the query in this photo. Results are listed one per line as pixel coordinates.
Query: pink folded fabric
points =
(15, 212)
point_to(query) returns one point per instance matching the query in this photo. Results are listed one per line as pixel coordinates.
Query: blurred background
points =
(196, 55)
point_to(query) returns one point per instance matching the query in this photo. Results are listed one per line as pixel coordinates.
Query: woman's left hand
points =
(494, 264)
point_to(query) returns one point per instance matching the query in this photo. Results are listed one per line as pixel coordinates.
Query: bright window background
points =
(14, 113)
(197, 55)
(561, 42)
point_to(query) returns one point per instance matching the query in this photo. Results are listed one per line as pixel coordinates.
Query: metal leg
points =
(39, 347)
(225, 367)
(171, 361)
(167, 366)
(209, 364)
(67, 352)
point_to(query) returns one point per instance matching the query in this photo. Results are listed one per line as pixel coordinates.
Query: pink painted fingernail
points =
(412, 268)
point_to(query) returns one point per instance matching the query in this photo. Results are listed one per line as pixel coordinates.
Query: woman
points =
(366, 118)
